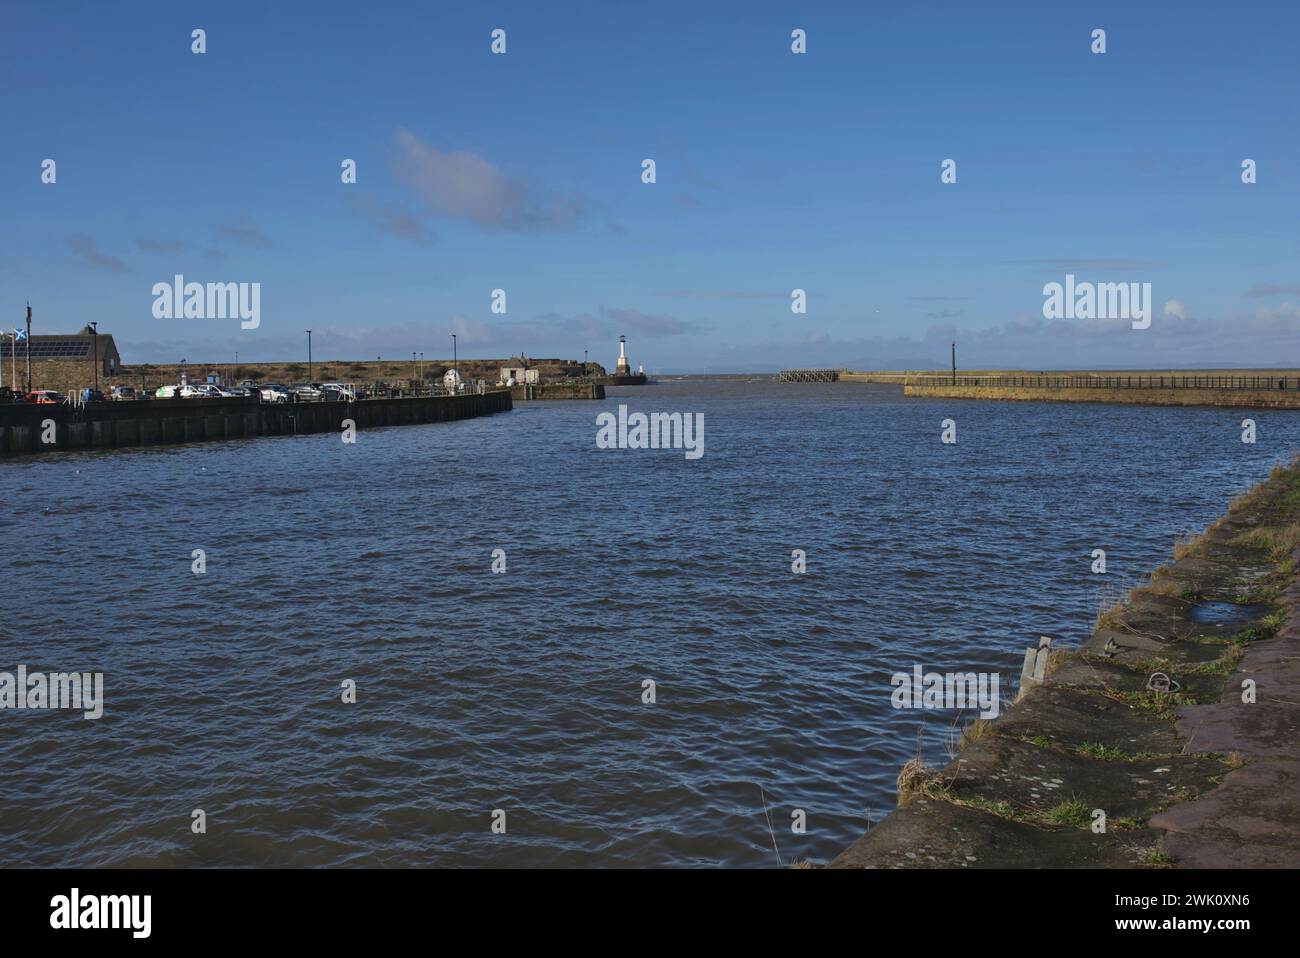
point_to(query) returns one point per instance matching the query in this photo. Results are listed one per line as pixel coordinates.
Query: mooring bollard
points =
(1035, 670)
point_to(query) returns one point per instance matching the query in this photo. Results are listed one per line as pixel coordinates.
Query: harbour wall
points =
(1166, 739)
(624, 379)
(24, 427)
(901, 377)
(852, 377)
(1181, 396)
(528, 392)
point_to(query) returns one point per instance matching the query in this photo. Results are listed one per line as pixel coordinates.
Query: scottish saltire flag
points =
(20, 334)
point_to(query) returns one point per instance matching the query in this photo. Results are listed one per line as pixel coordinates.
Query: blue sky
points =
(775, 171)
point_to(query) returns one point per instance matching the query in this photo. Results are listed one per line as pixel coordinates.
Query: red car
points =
(47, 396)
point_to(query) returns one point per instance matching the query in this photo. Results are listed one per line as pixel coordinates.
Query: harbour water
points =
(523, 691)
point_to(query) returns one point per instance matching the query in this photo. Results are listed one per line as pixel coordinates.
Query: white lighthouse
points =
(622, 369)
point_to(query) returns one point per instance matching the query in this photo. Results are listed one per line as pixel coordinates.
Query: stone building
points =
(519, 369)
(65, 362)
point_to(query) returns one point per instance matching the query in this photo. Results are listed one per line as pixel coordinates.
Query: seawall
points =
(528, 392)
(101, 425)
(1182, 396)
(624, 379)
(1168, 739)
(890, 378)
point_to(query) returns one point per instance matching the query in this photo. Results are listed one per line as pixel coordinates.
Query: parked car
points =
(337, 392)
(123, 393)
(200, 391)
(46, 397)
(238, 391)
(91, 395)
(8, 395)
(306, 393)
(274, 392)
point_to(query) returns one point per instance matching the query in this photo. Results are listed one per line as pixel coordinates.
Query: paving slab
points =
(1093, 674)
(930, 834)
(1250, 821)
(1037, 780)
(1253, 819)
(1129, 647)
(1073, 719)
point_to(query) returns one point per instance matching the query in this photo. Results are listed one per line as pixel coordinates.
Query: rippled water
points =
(523, 691)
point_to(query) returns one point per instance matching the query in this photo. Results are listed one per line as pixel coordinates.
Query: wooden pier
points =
(809, 375)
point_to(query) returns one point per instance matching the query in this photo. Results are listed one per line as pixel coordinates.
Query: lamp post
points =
(28, 349)
(310, 377)
(455, 363)
(94, 342)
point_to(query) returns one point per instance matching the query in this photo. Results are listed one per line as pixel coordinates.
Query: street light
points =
(28, 350)
(455, 363)
(310, 377)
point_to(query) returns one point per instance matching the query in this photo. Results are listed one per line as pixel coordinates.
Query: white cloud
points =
(91, 255)
(468, 187)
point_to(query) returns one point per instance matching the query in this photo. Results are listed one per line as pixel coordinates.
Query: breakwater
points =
(1245, 391)
(35, 428)
(900, 377)
(1166, 739)
(623, 379)
(529, 392)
